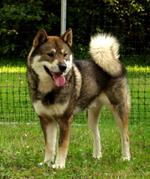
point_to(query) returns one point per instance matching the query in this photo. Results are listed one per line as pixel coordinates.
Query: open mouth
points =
(58, 78)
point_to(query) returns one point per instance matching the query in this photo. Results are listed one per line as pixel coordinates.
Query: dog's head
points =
(51, 55)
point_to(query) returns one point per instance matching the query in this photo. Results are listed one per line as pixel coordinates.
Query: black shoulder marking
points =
(49, 98)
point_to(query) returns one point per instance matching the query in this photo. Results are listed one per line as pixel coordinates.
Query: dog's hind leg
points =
(122, 123)
(119, 98)
(93, 119)
(49, 128)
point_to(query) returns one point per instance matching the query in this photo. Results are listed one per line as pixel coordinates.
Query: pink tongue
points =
(59, 80)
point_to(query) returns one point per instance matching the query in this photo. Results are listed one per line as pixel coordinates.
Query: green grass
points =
(22, 148)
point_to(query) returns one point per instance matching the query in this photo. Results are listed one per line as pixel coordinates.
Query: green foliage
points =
(132, 24)
(128, 20)
(13, 18)
(20, 22)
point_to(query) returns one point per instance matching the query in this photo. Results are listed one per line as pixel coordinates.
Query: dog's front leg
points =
(63, 144)
(49, 128)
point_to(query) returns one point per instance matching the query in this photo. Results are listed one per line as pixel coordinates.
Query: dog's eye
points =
(65, 54)
(51, 54)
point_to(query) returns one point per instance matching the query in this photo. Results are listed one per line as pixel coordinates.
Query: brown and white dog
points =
(59, 87)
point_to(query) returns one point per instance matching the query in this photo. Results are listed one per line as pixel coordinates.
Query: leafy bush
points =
(20, 22)
(128, 20)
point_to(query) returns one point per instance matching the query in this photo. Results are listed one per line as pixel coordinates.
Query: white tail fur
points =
(104, 50)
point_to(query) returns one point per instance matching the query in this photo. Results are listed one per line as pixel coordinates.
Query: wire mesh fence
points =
(14, 100)
(15, 105)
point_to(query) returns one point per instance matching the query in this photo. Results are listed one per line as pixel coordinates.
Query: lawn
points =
(21, 139)
(22, 149)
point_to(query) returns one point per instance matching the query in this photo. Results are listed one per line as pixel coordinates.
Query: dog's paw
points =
(97, 156)
(58, 166)
(42, 164)
(126, 158)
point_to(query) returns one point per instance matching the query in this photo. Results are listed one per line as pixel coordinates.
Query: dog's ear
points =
(40, 38)
(68, 36)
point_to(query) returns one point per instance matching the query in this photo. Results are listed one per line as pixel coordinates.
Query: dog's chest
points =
(56, 109)
(54, 103)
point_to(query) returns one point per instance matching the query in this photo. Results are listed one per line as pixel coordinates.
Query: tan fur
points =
(78, 80)
(63, 143)
(56, 109)
(93, 119)
(50, 142)
(44, 84)
(104, 51)
(123, 128)
(29, 55)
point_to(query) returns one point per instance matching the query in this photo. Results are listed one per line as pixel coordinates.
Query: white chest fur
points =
(45, 81)
(55, 109)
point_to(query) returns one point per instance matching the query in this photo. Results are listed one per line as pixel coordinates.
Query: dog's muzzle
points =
(58, 78)
(62, 67)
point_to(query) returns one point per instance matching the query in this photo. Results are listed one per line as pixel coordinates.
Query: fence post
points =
(63, 15)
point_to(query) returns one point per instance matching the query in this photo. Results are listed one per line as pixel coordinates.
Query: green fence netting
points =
(15, 105)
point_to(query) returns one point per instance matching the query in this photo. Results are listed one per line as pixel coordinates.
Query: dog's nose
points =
(62, 67)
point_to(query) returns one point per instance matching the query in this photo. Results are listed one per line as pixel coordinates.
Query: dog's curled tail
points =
(104, 49)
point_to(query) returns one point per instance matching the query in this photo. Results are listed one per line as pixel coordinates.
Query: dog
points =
(60, 87)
